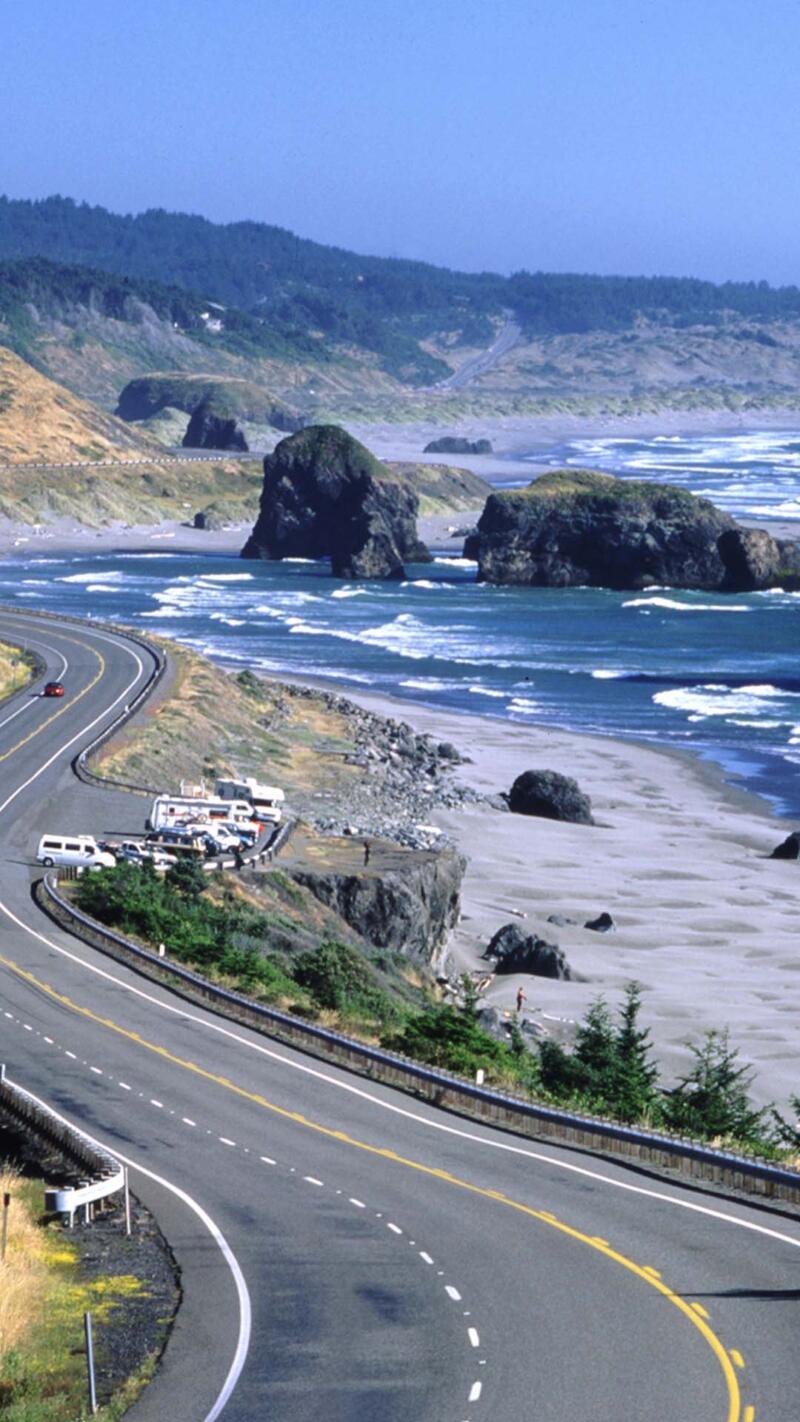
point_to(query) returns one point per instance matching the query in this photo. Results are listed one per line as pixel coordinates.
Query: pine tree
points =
(635, 1095)
(712, 1101)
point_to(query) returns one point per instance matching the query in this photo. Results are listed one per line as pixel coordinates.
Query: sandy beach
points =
(704, 920)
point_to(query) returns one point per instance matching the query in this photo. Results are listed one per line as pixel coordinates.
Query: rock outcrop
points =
(213, 426)
(454, 444)
(577, 527)
(409, 912)
(515, 951)
(550, 795)
(789, 848)
(148, 395)
(325, 495)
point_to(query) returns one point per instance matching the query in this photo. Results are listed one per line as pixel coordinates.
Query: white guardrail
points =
(104, 1175)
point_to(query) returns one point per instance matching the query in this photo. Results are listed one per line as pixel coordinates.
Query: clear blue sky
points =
(634, 136)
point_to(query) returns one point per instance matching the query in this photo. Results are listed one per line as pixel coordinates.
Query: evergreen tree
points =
(712, 1100)
(635, 1094)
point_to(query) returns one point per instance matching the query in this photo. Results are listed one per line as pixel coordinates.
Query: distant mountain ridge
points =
(254, 265)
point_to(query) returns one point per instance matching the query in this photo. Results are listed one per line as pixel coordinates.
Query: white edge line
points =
(245, 1309)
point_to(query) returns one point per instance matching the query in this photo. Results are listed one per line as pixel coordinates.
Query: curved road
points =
(349, 1254)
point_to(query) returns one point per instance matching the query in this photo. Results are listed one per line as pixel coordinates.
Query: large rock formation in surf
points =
(324, 495)
(577, 527)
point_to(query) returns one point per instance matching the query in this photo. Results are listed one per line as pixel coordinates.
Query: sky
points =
(625, 136)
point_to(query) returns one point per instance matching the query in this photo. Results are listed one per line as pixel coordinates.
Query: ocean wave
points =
(228, 621)
(351, 592)
(487, 691)
(603, 674)
(428, 683)
(90, 577)
(426, 585)
(742, 703)
(674, 606)
(101, 587)
(228, 577)
(457, 562)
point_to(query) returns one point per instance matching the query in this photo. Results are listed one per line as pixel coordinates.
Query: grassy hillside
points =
(42, 422)
(15, 669)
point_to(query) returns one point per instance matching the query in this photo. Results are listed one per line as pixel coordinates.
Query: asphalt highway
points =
(347, 1253)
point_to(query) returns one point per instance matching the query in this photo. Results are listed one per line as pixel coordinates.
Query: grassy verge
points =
(43, 1296)
(15, 669)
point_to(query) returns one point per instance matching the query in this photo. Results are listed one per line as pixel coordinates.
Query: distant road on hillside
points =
(505, 341)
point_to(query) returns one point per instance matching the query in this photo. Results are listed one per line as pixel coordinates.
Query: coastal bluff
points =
(576, 527)
(325, 495)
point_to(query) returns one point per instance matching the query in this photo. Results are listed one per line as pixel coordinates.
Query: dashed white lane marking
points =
(9, 1015)
(450, 1289)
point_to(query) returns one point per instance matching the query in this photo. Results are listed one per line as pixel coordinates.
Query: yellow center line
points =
(68, 705)
(734, 1411)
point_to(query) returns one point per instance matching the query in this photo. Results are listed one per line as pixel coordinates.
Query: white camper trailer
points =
(266, 800)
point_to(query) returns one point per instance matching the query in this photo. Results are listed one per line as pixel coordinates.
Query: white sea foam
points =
(228, 621)
(457, 562)
(674, 606)
(300, 560)
(426, 585)
(351, 592)
(90, 577)
(228, 577)
(487, 691)
(606, 674)
(742, 703)
(524, 705)
(100, 587)
(428, 683)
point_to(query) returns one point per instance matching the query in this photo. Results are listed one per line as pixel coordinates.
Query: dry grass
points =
(42, 1302)
(211, 723)
(15, 669)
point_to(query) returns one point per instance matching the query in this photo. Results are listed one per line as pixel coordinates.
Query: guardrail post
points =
(127, 1204)
(87, 1329)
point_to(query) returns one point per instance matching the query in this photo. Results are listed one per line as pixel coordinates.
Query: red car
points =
(53, 688)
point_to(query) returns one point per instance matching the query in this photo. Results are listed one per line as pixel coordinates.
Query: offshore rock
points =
(409, 912)
(578, 527)
(454, 444)
(324, 495)
(212, 426)
(551, 796)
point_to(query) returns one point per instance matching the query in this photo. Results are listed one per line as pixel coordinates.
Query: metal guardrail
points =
(498, 1108)
(106, 1176)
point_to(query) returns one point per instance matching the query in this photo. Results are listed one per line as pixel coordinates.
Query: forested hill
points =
(267, 269)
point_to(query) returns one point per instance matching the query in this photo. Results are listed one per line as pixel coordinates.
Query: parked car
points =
(133, 852)
(81, 850)
(185, 843)
(53, 688)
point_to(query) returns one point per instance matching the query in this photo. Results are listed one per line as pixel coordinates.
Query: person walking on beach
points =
(520, 1000)
(367, 851)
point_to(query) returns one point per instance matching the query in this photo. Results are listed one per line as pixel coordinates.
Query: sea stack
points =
(575, 527)
(325, 495)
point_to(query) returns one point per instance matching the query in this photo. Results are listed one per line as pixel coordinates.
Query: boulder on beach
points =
(325, 495)
(604, 923)
(516, 951)
(789, 848)
(551, 796)
(579, 527)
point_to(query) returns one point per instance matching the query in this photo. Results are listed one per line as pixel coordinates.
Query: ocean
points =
(716, 675)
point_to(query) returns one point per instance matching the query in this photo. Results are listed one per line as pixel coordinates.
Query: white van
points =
(79, 849)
